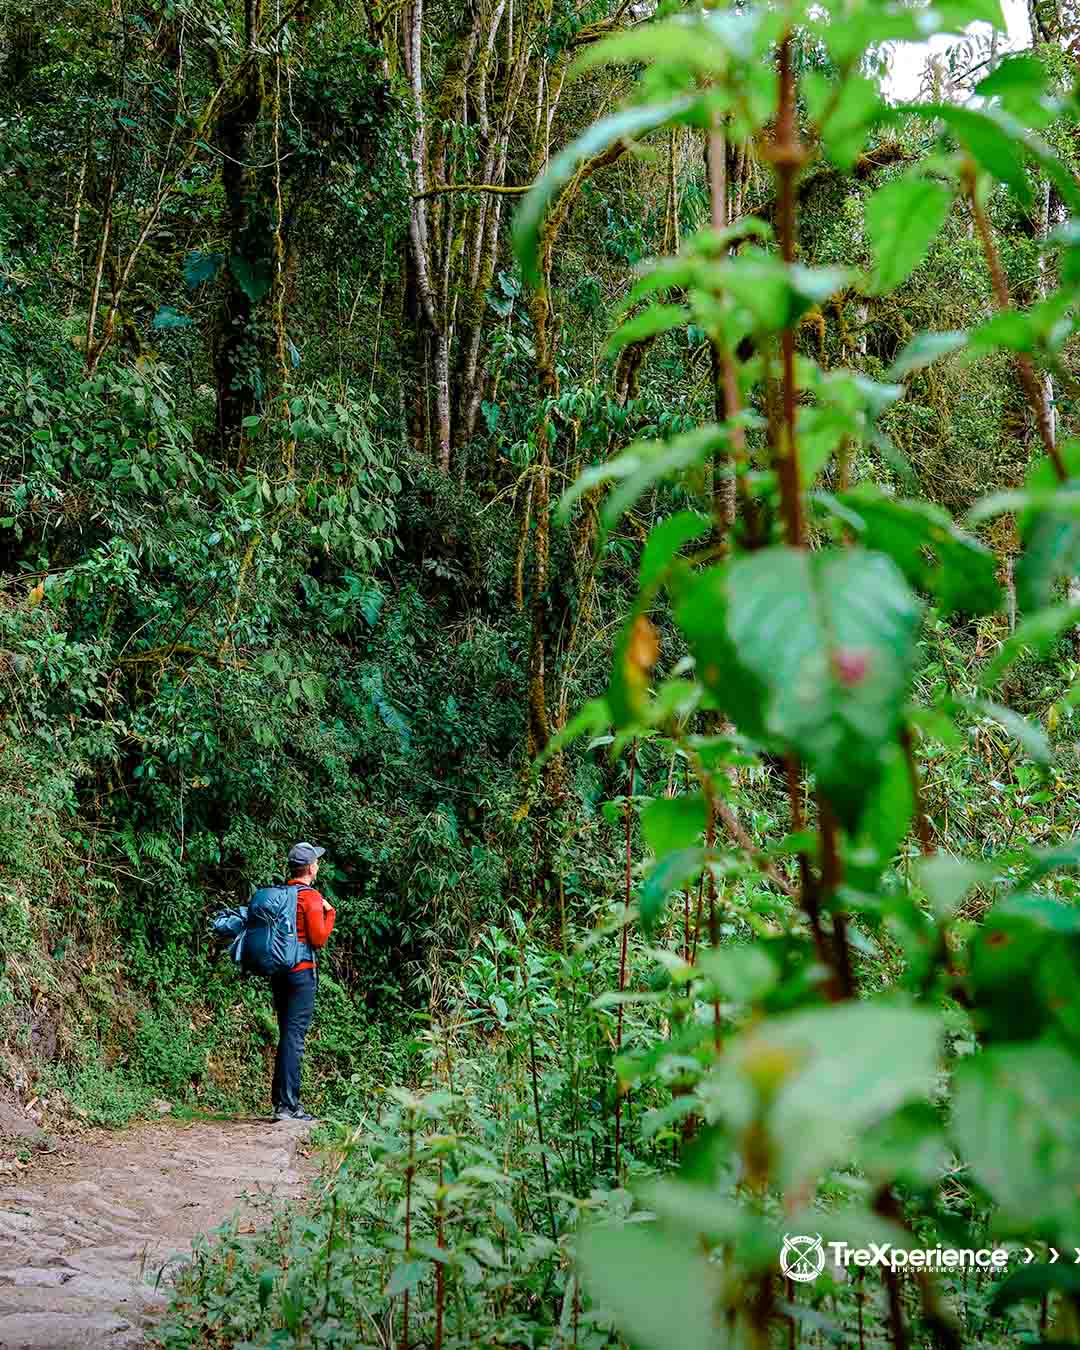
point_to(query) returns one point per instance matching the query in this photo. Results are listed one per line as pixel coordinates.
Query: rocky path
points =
(83, 1238)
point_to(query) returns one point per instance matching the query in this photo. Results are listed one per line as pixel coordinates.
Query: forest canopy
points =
(608, 473)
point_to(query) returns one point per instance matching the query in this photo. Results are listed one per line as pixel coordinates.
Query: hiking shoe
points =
(283, 1113)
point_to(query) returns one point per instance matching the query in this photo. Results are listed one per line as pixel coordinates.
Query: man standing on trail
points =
(294, 990)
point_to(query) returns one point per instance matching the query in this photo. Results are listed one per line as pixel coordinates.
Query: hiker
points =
(294, 990)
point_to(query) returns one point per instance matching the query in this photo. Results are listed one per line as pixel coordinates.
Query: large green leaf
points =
(923, 350)
(999, 143)
(1041, 862)
(777, 294)
(667, 874)
(885, 821)
(1051, 551)
(931, 551)
(836, 1072)
(1016, 1122)
(702, 614)
(640, 465)
(664, 542)
(200, 267)
(955, 15)
(902, 221)
(659, 1284)
(991, 145)
(1037, 1281)
(1036, 634)
(252, 276)
(670, 823)
(168, 317)
(1030, 735)
(682, 40)
(649, 323)
(813, 650)
(844, 112)
(628, 123)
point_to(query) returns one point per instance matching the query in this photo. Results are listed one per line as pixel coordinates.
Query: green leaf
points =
(1016, 1122)
(849, 108)
(848, 35)
(849, 1067)
(923, 350)
(1031, 737)
(902, 221)
(670, 823)
(662, 274)
(664, 542)
(650, 323)
(888, 814)
(998, 144)
(266, 1287)
(1044, 327)
(830, 637)
(955, 15)
(1036, 634)
(947, 880)
(201, 267)
(668, 874)
(1018, 73)
(253, 278)
(659, 1286)
(1034, 1281)
(908, 1146)
(1046, 860)
(702, 614)
(641, 465)
(594, 717)
(168, 317)
(989, 144)
(741, 974)
(529, 217)
(777, 294)
(678, 41)
(928, 547)
(407, 1276)
(1051, 551)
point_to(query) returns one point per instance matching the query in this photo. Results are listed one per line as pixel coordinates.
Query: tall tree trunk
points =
(243, 344)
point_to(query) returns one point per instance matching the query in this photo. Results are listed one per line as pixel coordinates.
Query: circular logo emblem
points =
(803, 1258)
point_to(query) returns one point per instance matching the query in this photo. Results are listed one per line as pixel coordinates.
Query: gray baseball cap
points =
(305, 853)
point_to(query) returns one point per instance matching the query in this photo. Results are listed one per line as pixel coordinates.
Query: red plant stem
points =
(831, 876)
(440, 1274)
(787, 157)
(808, 888)
(697, 919)
(922, 820)
(540, 1132)
(408, 1229)
(622, 958)
(714, 931)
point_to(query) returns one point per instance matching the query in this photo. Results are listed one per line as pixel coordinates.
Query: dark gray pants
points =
(294, 1003)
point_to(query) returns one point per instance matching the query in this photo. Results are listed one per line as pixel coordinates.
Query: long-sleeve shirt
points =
(314, 919)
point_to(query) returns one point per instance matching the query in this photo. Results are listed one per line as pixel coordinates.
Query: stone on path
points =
(87, 1240)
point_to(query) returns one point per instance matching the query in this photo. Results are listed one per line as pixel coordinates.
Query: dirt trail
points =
(82, 1240)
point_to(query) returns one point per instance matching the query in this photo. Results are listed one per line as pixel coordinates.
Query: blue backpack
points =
(264, 937)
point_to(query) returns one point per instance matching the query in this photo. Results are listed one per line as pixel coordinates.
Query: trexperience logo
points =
(803, 1258)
